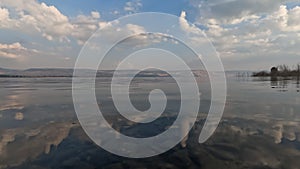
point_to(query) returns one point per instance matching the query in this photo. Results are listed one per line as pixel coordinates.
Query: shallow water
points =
(260, 126)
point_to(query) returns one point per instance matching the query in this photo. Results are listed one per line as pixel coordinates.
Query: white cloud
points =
(286, 20)
(241, 30)
(33, 17)
(251, 32)
(95, 14)
(84, 26)
(16, 45)
(133, 6)
(194, 34)
(234, 11)
(135, 29)
(4, 14)
(294, 20)
(247, 18)
(186, 26)
(12, 51)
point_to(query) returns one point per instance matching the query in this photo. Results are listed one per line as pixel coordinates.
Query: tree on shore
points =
(281, 70)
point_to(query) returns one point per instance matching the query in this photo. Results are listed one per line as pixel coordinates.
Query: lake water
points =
(260, 127)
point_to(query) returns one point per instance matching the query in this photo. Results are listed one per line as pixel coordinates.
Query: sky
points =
(247, 34)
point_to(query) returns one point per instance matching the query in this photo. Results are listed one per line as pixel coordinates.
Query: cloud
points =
(12, 51)
(133, 6)
(135, 29)
(3, 14)
(37, 18)
(231, 11)
(186, 26)
(241, 30)
(111, 32)
(84, 26)
(41, 21)
(16, 45)
(95, 14)
(286, 20)
(246, 34)
(32, 17)
(195, 35)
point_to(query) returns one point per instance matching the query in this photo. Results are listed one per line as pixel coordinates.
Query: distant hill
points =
(9, 71)
(36, 73)
(48, 72)
(60, 72)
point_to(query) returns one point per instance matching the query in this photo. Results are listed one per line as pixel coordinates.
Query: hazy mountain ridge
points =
(36, 72)
(61, 72)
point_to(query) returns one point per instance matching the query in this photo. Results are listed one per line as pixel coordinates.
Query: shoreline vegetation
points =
(280, 71)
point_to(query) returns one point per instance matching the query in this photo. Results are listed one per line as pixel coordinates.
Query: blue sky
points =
(73, 8)
(248, 34)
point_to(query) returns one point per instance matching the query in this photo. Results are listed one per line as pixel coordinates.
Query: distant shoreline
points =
(68, 73)
(21, 76)
(279, 71)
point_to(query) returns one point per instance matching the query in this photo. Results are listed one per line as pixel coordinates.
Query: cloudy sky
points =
(248, 34)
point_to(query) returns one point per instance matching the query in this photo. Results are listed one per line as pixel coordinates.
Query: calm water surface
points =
(260, 127)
